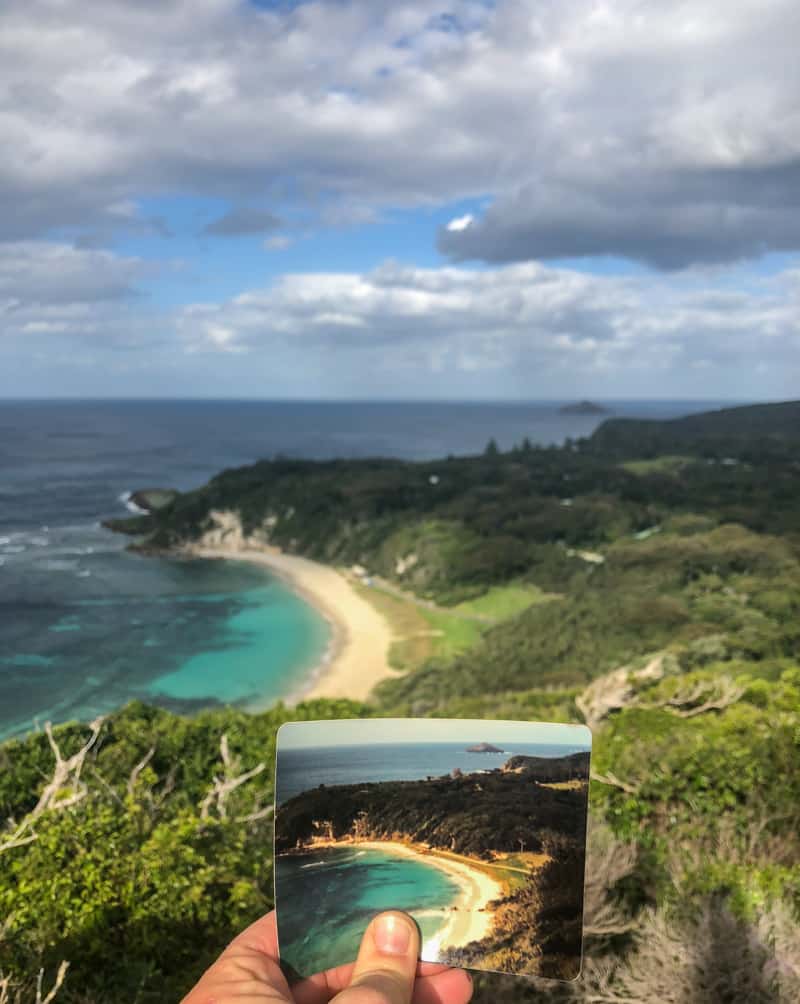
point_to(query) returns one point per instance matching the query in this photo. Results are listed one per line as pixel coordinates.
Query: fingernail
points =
(392, 934)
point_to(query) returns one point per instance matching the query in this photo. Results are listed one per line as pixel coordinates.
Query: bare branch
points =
(6, 987)
(224, 786)
(64, 789)
(51, 996)
(614, 781)
(109, 788)
(264, 813)
(137, 770)
(65, 771)
(720, 693)
(617, 689)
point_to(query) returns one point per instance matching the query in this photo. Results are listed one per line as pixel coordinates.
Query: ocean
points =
(348, 887)
(86, 626)
(309, 767)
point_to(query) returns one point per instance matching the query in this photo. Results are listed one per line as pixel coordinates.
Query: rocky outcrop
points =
(153, 499)
(226, 533)
(584, 408)
(484, 748)
(547, 770)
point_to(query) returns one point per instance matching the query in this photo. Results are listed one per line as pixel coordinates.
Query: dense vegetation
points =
(674, 554)
(477, 814)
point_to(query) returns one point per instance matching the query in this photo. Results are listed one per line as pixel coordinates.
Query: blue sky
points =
(335, 199)
(301, 735)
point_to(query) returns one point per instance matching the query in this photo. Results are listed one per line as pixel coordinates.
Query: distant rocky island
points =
(584, 408)
(484, 748)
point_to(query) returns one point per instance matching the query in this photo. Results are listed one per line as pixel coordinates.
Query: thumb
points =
(387, 963)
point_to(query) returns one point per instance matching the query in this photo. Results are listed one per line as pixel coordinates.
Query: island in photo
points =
(486, 852)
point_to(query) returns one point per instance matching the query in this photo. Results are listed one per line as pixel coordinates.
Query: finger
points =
(429, 988)
(319, 988)
(386, 966)
(262, 936)
(453, 986)
(248, 969)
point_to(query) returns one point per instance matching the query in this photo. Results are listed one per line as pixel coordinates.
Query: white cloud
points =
(667, 132)
(399, 330)
(460, 223)
(523, 319)
(56, 289)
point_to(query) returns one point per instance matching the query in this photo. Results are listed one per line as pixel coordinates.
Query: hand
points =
(386, 971)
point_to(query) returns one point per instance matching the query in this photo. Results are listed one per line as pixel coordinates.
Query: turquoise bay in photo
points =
(348, 886)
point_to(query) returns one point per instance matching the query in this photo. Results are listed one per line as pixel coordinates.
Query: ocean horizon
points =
(86, 626)
(300, 770)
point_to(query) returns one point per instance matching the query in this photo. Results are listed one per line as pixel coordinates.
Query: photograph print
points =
(477, 829)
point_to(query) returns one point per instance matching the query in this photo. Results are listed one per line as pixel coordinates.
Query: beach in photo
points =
(477, 829)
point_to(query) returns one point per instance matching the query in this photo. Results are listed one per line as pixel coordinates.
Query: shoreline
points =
(357, 656)
(470, 920)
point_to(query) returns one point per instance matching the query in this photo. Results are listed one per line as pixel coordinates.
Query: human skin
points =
(387, 971)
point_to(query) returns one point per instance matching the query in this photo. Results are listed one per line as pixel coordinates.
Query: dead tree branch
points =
(51, 996)
(137, 770)
(257, 814)
(64, 789)
(6, 987)
(222, 787)
(615, 782)
(715, 695)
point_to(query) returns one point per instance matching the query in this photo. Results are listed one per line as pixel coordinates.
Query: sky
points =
(480, 199)
(370, 732)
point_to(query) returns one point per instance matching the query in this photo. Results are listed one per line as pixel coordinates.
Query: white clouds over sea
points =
(664, 138)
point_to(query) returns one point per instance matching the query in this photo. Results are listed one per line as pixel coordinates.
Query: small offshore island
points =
(584, 408)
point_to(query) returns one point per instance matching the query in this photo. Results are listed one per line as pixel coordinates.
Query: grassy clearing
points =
(454, 634)
(424, 631)
(502, 602)
(667, 464)
(421, 633)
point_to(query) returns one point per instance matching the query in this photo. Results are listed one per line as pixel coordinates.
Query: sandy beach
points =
(471, 920)
(358, 657)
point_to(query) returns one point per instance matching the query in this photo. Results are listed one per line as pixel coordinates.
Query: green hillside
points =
(671, 626)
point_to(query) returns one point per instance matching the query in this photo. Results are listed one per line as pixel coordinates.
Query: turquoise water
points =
(91, 627)
(348, 887)
(260, 652)
(86, 627)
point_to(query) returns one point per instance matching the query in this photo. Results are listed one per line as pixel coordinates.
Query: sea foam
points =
(126, 498)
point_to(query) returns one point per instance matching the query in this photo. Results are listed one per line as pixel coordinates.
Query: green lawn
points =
(457, 633)
(424, 632)
(667, 464)
(502, 602)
